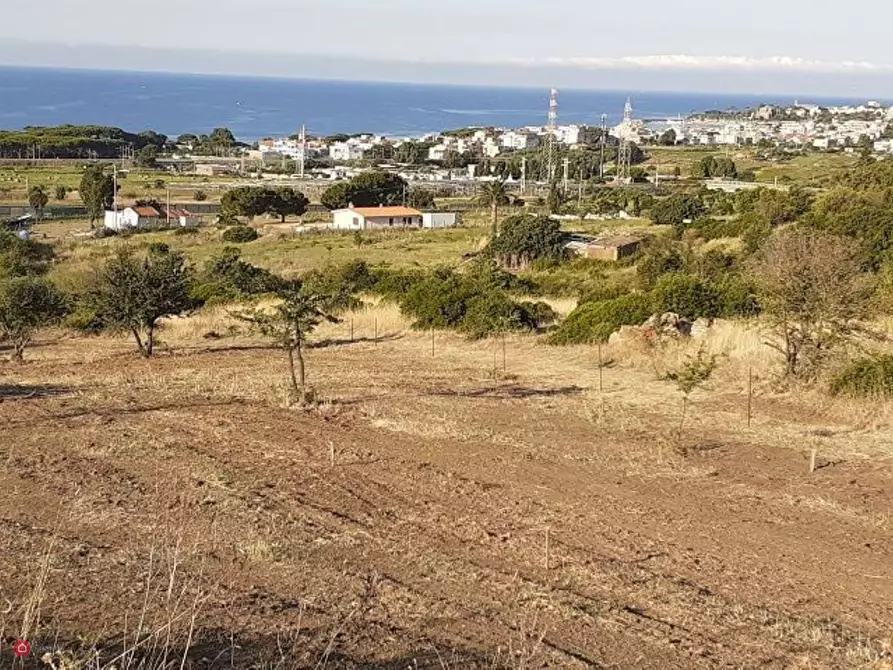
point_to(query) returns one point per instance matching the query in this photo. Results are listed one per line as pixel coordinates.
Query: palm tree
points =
(493, 195)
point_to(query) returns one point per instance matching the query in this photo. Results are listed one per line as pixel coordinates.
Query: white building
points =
(519, 140)
(366, 218)
(145, 216)
(346, 151)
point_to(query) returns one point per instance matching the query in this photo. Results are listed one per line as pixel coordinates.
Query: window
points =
(391, 221)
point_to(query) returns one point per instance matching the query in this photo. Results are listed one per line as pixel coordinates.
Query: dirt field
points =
(433, 514)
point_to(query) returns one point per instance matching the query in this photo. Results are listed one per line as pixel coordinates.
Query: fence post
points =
(749, 395)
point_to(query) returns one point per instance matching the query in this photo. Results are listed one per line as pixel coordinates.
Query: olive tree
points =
(27, 304)
(288, 324)
(815, 295)
(134, 294)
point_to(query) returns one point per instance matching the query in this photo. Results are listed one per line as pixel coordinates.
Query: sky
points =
(761, 46)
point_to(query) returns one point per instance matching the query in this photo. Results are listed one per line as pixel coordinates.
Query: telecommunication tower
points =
(625, 155)
(303, 152)
(602, 144)
(550, 135)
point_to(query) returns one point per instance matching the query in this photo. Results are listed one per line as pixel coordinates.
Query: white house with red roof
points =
(145, 216)
(367, 218)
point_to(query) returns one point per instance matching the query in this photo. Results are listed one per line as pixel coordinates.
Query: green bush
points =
(227, 278)
(687, 296)
(739, 296)
(525, 238)
(867, 377)
(474, 302)
(240, 234)
(595, 321)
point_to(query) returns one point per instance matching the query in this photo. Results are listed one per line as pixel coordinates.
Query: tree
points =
(27, 304)
(711, 166)
(247, 201)
(667, 138)
(61, 192)
(38, 199)
(134, 294)
(97, 190)
(421, 198)
(493, 194)
(368, 189)
(676, 209)
(290, 322)
(285, 201)
(526, 238)
(19, 258)
(814, 292)
(555, 199)
(695, 372)
(199, 196)
(146, 157)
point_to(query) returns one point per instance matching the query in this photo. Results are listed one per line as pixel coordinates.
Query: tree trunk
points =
(18, 350)
(301, 373)
(139, 341)
(291, 368)
(494, 218)
(150, 342)
(283, 217)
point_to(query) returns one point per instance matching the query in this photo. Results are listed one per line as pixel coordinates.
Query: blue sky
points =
(775, 45)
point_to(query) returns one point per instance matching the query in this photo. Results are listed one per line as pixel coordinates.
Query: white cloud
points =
(682, 62)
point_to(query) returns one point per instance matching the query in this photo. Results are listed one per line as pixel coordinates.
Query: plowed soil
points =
(434, 514)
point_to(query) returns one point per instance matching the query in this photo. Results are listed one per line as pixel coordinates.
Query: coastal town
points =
(453, 155)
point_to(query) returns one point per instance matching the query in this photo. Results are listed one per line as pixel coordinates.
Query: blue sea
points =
(257, 107)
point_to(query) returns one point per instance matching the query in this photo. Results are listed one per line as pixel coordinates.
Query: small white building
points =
(519, 140)
(145, 216)
(132, 217)
(368, 218)
(440, 220)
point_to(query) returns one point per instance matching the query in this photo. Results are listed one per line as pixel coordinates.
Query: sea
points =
(258, 107)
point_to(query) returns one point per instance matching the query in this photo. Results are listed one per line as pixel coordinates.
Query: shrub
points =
(240, 234)
(186, 230)
(739, 296)
(595, 321)
(867, 377)
(200, 196)
(687, 296)
(227, 278)
(494, 312)
(525, 238)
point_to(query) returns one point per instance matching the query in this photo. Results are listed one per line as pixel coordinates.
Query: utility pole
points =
(115, 192)
(550, 135)
(524, 175)
(580, 195)
(168, 209)
(567, 163)
(603, 143)
(624, 156)
(303, 149)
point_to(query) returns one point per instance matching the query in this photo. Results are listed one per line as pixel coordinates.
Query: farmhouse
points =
(367, 218)
(144, 216)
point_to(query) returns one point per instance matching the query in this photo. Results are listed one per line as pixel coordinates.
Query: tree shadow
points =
(30, 391)
(511, 391)
(338, 342)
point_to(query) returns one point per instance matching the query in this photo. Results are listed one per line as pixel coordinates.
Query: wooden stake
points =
(749, 395)
(375, 331)
(332, 453)
(600, 378)
(432, 343)
(547, 548)
(812, 461)
(503, 354)
(351, 329)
